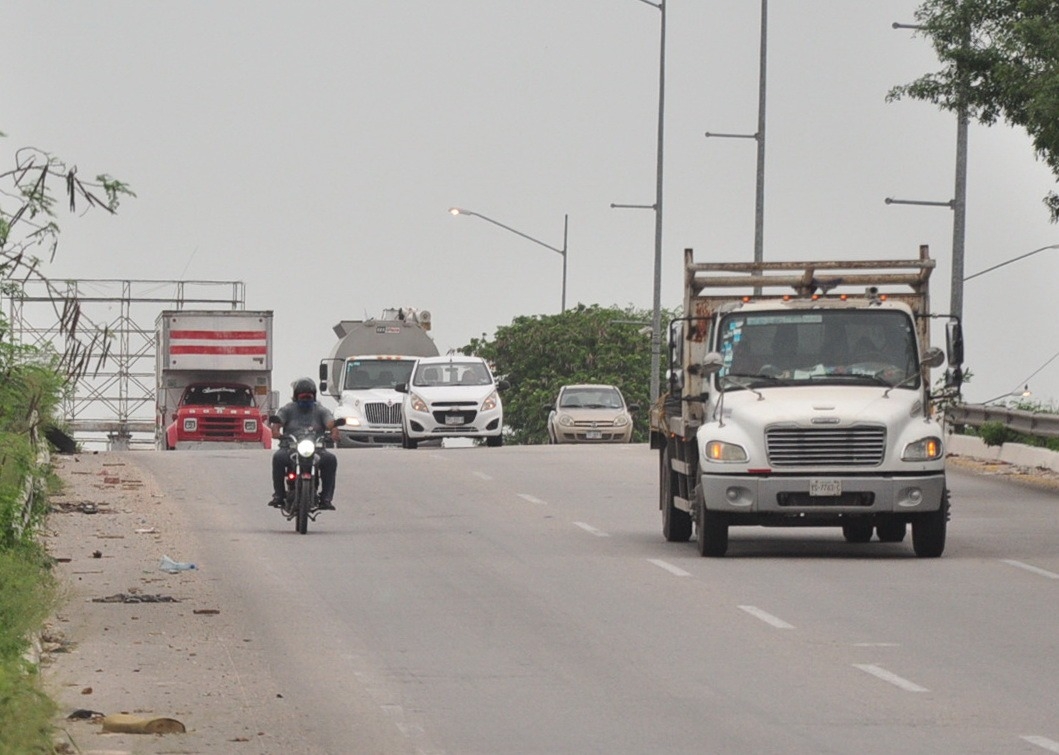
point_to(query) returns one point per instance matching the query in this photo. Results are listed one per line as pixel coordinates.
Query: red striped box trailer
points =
(214, 378)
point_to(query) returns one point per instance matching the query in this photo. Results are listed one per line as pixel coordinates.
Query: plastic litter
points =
(169, 565)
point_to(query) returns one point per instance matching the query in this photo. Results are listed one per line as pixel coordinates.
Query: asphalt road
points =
(523, 600)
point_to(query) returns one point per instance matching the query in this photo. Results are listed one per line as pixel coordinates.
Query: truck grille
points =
(378, 413)
(826, 447)
(220, 426)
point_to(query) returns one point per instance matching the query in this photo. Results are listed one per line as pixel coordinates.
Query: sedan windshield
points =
(591, 398)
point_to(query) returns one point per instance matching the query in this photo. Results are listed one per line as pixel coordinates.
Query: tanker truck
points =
(369, 359)
(799, 395)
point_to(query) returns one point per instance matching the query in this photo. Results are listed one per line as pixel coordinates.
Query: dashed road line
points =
(1043, 742)
(675, 570)
(888, 676)
(1029, 568)
(532, 499)
(767, 617)
(591, 530)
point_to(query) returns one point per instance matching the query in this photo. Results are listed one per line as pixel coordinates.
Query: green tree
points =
(587, 344)
(1000, 60)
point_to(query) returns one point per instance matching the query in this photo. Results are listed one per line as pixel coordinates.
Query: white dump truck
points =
(369, 359)
(214, 378)
(799, 394)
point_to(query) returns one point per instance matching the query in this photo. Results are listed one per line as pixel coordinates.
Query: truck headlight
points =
(306, 448)
(924, 449)
(490, 402)
(250, 426)
(190, 424)
(718, 450)
(352, 420)
(417, 403)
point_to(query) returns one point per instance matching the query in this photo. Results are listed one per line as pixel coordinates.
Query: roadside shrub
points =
(995, 434)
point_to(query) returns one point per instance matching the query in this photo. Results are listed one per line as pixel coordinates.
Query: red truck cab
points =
(217, 412)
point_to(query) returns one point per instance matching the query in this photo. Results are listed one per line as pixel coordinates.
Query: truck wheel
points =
(676, 524)
(712, 533)
(409, 443)
(856, 533)
(890, 531)
(928, 530)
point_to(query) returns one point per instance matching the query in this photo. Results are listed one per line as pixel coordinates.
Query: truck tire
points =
(890, 531)
(856, 533)
(928, 530)
(712, 533)
(676, 524)
(409, 443)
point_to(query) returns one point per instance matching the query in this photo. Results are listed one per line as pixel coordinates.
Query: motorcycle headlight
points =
(306, 448)
(924, 449)
(417, 403)
(719, 451)
(490, 402)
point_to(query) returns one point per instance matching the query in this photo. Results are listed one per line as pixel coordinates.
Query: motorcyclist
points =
(302, 415)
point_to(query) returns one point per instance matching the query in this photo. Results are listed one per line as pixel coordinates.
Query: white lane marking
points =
(481, 475)
(591, 530)
(1043, 742)
(876, 645)
(888, 676)
(766, 617)
(531, 499)
(1027, 567)
(669, 567)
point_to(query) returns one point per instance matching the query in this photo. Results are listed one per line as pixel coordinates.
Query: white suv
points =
(452, 397)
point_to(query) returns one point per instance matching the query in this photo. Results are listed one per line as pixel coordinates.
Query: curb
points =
(1017, 454)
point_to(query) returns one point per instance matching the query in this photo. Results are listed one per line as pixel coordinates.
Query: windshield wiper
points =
(739, 379)
(859, 377)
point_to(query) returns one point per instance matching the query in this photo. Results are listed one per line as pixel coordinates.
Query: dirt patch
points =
(1040, 478)
(137, 636)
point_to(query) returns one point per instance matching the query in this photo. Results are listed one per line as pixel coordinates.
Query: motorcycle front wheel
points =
(303, 501)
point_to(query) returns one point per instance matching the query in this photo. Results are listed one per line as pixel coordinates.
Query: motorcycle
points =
(302, 499)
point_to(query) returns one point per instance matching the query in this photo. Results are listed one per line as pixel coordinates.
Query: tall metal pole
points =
(566, 226)
(656, 315)
(959, 216)
(759, 204)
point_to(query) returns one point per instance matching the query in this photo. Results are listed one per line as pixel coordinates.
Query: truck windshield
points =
(869, 347)
(218, 395)
(362, 374)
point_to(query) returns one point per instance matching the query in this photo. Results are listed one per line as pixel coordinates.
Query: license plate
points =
(453, 419)
(593, 434)
(825, 487)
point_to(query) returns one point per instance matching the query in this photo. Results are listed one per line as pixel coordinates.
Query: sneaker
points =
(276, 502)
(326, 505)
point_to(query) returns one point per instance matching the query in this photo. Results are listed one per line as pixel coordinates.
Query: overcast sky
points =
(312, 150)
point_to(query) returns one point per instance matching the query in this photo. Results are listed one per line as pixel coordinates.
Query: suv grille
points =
(810, 447)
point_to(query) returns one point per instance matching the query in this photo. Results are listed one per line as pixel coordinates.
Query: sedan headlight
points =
(924, 449)
(566, 420)
(417, 403)
(491, 402)
(719, 451)
(621, 420)
(306, 448)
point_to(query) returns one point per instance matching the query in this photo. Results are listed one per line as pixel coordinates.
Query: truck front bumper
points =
(367, 436)
(776, 494)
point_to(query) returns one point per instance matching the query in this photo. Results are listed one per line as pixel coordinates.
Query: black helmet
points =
(303, 386)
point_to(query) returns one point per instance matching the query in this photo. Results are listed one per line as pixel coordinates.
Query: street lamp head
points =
(456, 211)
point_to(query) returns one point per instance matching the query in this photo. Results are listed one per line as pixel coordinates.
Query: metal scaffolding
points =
(115, 399)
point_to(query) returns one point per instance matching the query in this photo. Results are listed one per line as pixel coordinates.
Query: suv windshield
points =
(869, 347)
(452, 373)
(362, 374)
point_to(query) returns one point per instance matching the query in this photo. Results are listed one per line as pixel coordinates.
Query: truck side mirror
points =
(323, 377)
(932, 357)
(712, 363)
(954, 342)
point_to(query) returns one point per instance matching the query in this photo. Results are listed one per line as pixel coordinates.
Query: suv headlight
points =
(924, 449)
(719, 451)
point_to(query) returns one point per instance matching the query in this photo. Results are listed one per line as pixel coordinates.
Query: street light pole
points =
(562, 252)
(656, 311)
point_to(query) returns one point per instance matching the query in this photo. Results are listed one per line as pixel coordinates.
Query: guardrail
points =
(1030, 423)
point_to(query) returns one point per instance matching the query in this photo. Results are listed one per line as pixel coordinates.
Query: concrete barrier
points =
(1018, 454)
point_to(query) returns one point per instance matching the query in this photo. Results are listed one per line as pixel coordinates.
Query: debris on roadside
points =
(124, 597)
